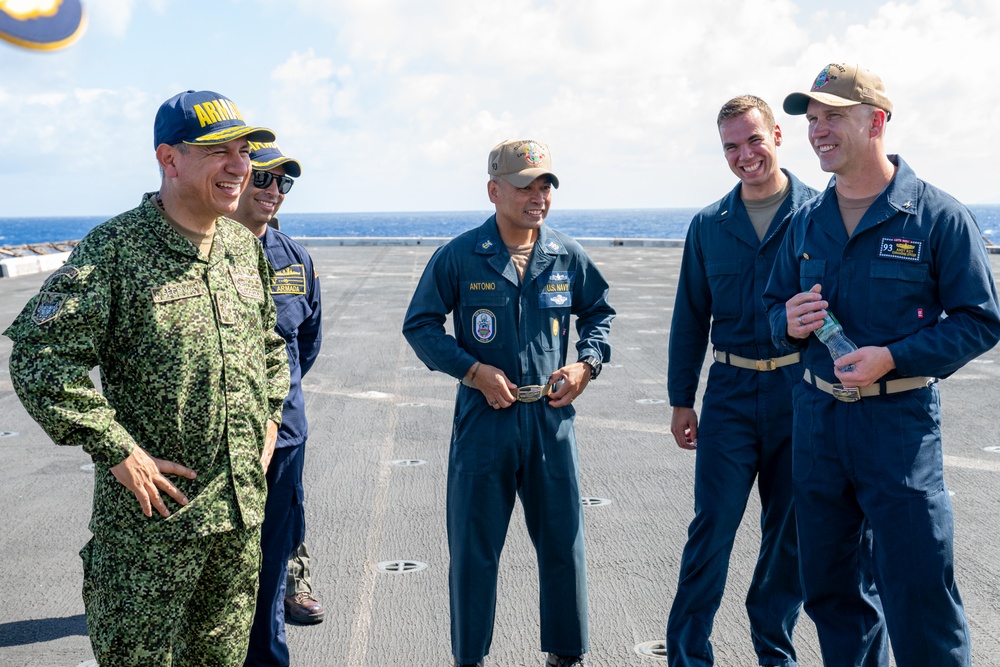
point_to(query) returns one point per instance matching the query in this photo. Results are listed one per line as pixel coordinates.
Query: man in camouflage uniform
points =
(168, 300)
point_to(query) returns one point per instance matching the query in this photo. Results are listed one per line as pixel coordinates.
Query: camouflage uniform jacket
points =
(191, 367)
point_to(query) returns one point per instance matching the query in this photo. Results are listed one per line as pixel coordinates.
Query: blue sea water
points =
(658, 223)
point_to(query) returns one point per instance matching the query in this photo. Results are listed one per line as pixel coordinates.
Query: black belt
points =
(852, 394)
(756, 364)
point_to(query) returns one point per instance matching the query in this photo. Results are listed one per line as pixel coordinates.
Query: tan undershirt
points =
(202, 242)
(761, 211)
(520, 255)
(852, 210)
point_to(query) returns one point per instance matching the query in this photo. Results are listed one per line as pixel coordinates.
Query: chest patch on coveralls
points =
(484, 325)
(289, 280)
(901, 249)
(557, 290)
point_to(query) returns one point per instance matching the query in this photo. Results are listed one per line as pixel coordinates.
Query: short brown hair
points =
(742, 104)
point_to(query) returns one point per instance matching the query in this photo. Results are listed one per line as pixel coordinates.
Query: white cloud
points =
(109, 16)
(394, 105)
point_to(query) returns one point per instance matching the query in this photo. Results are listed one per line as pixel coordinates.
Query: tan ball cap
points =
(521, 161)
(841, 85)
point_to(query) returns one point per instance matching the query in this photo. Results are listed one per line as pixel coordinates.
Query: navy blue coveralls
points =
(528, 449)
(916, 256)
(745, 430)
(296, 295)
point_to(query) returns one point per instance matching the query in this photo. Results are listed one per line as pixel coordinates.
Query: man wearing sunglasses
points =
(169, 300)
(296, 294)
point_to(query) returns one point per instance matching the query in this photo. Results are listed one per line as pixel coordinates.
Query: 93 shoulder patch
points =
(48, 307)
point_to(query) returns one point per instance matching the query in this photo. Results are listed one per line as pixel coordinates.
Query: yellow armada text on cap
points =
(216, 111)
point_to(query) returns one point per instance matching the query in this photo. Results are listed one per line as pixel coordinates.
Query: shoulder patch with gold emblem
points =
(289, 280)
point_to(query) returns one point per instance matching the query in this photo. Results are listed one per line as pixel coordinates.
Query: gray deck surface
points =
(371, 402)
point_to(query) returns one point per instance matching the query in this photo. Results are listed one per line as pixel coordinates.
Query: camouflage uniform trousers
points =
(169, 603)
(299, 580)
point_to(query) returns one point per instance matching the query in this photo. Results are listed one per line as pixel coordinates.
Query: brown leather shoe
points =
(304, 608)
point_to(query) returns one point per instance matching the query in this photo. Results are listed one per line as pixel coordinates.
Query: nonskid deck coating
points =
(371, 402)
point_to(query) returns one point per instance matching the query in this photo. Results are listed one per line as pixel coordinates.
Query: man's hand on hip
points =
(143, 475)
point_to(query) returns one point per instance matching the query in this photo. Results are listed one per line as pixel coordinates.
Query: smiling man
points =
(904, 268)
(746, 426)
(296, 293)
(513, 285)
(169, 301)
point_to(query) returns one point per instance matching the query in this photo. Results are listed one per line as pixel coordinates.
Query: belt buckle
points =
(765, 364)
(846, 394)
(529, 393)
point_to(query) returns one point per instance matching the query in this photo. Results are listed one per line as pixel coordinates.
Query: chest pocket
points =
(247, 283)
(556, 292)
(898, 296)
(555, 303)
(243, 308)
(179, 306)
(811, 271)
(724, 281)
(483, 309)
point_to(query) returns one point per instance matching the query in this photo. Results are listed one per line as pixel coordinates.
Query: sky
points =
(393, 105)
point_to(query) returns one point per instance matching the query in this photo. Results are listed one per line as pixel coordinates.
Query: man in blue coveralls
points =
(296, 294)
(513, 284)
(746, 426)
(903, 266)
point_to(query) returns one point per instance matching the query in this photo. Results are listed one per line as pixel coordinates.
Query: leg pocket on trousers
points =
(803, 417)
(907, 445)
(474, 438)
(717, 405)
(557, 440)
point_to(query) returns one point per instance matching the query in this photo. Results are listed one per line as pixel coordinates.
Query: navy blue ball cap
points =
(42, 25)
(203, 117)
(265, 156)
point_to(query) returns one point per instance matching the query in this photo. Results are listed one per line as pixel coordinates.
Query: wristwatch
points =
(595, 366)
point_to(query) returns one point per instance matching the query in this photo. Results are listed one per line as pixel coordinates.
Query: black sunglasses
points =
(262, 180)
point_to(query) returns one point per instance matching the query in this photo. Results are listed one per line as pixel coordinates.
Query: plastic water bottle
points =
(832, 335)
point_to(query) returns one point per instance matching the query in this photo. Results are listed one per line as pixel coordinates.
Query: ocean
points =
(653, 223)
